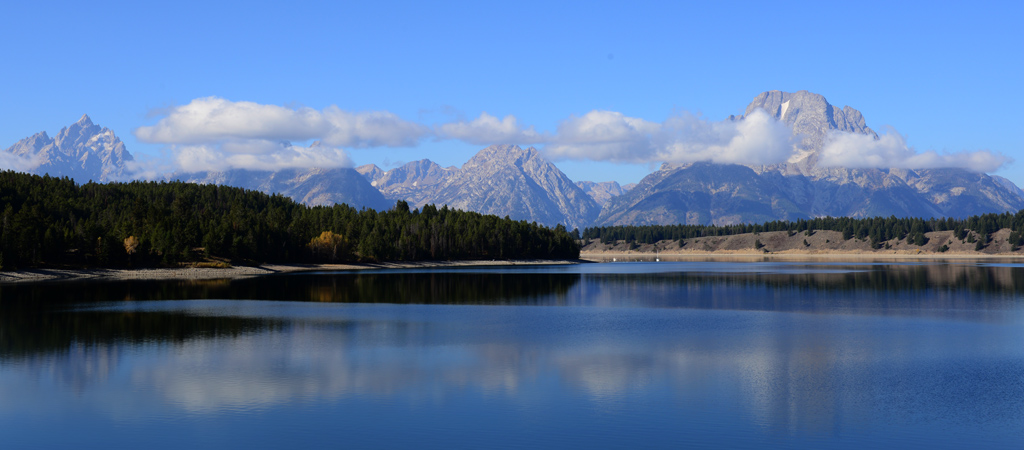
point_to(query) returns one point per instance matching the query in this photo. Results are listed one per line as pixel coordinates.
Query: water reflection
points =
(884, 356)
(788, 372)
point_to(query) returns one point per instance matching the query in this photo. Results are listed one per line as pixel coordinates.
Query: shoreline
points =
(240, 272)
(607, 256)
(600, 256)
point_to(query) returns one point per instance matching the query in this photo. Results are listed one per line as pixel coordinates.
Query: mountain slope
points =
(601, 192)
(500, 180)
(509, 180)
(417, 181)
(317, 186)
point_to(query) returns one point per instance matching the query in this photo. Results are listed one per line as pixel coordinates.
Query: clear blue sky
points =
(948, 76)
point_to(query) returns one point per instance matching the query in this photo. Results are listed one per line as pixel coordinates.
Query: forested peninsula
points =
(55, 222)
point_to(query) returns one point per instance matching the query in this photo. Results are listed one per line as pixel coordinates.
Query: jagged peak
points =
(776, 103)
(811, 117)
(423, 163)
(791, 107)
(504, 152)
(84, 121)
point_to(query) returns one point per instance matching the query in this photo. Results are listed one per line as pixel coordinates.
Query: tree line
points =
(49, 222)
(976, 229)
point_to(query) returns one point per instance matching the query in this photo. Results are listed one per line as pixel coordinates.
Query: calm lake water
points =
(616, 355)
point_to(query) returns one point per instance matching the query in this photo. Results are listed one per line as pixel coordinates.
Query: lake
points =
(709, 354)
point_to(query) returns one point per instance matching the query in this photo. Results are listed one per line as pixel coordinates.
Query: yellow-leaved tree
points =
(329, 245)
(131, 245)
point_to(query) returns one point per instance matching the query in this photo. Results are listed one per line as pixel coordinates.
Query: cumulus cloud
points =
(604, 136)
(890, 150)
(488, 129)
(371, 129)
(612, 136)
(213, 119)
(258, 155)
(215, 132)
(757, 139)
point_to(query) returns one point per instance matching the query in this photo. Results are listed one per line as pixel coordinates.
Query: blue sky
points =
(945, 76)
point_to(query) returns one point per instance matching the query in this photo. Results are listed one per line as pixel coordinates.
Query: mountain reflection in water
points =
(667, 353)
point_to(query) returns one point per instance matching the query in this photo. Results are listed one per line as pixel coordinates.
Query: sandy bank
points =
(819, 245)
(193, 273)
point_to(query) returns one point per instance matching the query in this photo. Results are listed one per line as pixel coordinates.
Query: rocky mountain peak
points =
(83, 151)
(507, 154)
(810, 115)
(84, 121)
(812, 118)
(371, 172)
(500, 179)
(521, 183)
(601, 192)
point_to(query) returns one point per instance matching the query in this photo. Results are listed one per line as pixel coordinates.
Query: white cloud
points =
(19, 163)
(488, 129)
(147, 169)
(216, 133)
(612, 136)
(891, 150)
(213, 119)
(371, 129)
(604, 136)
(757, 139)
(257, 155)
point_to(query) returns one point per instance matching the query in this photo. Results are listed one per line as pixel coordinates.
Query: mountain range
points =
(314, 187)
(703, 193)
(522, 184)
(500, 180)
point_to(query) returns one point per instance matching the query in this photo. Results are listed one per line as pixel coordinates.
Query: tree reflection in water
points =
(916, 351)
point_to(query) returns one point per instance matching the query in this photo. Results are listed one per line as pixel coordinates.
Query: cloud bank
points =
(489, 130)
(890, 150)
(612, 136)
(212, 133)
(213, 119)
(258, 155)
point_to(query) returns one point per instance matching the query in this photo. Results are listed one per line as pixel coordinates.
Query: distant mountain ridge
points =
(500, 180)
(603, 191)
(416, 182)
(314, 187)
